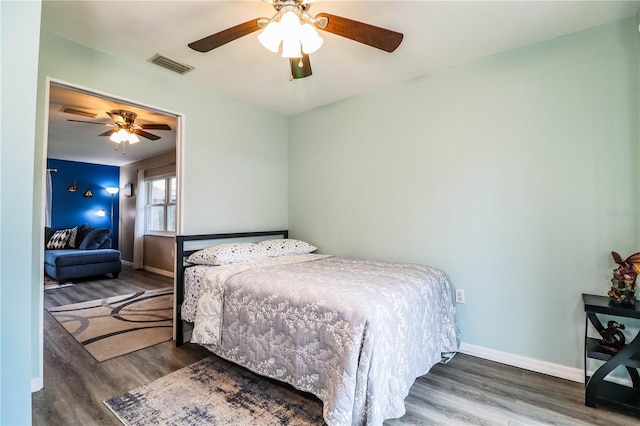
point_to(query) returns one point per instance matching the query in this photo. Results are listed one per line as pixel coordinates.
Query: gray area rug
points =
(215, 392)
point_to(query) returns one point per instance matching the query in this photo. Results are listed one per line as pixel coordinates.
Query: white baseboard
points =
(544, 367)
(36, 384)
(126, 262)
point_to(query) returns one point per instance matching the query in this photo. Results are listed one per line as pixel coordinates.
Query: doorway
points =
(79, 125)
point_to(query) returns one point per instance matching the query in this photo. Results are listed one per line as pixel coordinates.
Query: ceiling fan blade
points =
(154, 126)
(90, 122)
(108, 132)
(370, 35)
(298, 71)
(225, 36)
(117, 118)
(146, 134)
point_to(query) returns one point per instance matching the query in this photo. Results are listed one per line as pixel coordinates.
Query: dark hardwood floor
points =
(74, 383)
(466, 391)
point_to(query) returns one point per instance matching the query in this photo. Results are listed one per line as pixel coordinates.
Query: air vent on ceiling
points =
(76, 111)
(170, 64)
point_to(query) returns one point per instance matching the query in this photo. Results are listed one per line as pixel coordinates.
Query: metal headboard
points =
(181, 264)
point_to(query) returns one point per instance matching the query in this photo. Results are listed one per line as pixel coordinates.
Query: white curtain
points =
(138, 236)
(49, 199)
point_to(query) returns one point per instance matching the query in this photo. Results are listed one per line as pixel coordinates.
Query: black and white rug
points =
(215, 392)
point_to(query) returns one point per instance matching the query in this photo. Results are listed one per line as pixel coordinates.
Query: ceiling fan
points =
(125, 120)
(125, 129)
(294, 28)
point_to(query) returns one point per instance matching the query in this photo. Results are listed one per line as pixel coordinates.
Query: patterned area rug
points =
(215, 392)
(118, 325)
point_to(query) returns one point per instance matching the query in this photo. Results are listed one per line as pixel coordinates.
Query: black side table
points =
(598, 390)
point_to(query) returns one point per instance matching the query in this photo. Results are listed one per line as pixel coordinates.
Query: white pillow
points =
(286, 247)
(224, 254)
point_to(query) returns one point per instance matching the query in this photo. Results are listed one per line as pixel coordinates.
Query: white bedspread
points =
(354, 333)
(208, 317)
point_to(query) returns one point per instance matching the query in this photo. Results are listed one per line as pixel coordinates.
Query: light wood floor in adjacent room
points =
(467, 391)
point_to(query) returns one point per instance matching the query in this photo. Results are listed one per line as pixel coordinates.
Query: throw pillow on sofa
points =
(71, 242)
(83, 231)
(76, 235)
(48, 233)
(95, 238)
(59, 239)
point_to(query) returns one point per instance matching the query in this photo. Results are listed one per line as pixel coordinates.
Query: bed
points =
(352, 332)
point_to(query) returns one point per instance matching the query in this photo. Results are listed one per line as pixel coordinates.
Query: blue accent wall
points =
(71, 209)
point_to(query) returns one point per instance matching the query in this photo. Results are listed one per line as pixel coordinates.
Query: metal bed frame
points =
(182, 264)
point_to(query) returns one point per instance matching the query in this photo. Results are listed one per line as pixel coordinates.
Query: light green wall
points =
(517, 175)
(235, 154)
(19, 35)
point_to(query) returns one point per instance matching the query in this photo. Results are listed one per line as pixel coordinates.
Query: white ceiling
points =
(437, 34)
(75, 141)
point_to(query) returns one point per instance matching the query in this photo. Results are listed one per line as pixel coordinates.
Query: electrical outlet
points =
(459, 296)
(172, 253)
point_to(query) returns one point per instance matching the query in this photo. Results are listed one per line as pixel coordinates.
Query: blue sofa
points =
(89, 254)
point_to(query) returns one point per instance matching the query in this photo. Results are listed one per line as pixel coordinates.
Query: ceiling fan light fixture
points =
(120, 136)
(294, 29)
(133, 138)
(310, 39)
(271, 37)
(291, 48)
(124, 135)
(289, 23)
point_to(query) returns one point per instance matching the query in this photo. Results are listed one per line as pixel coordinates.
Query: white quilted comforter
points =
(354, 333)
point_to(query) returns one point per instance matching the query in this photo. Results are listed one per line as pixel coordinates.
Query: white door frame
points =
(38, 382)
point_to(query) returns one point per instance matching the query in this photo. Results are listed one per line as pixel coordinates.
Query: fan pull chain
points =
(118, 146)
(300, 65)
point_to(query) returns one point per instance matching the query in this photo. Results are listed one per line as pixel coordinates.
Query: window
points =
(161, 205)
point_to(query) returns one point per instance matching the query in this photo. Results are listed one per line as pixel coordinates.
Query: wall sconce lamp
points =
(73, 187)
(88, 193)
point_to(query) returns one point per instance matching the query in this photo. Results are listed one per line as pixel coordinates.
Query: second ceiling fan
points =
(125, 120)
(294, 30)
(125, 128)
